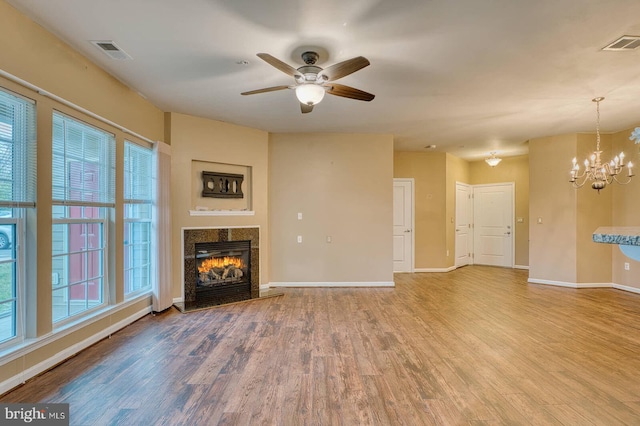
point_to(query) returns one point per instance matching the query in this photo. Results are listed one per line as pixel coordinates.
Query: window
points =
(17, 192)
(83, 195)
(138, 196)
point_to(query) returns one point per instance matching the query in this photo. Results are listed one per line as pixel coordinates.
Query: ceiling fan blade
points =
(266, 89)
(305, 108)
(342, 69)
(277, 63)
(348, 92)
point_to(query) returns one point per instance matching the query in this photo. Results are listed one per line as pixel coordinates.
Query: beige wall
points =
(210, 141)
(33, 55)
(552, 248)
(593, 210)
(429, 171)
(342, 184)
(626, 210)
(562, 248)
(510, 169)
(435, 177)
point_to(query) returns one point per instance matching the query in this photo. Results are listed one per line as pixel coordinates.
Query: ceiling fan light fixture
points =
(309, 93)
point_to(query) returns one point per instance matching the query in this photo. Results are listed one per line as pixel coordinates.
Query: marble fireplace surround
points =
(191, 236)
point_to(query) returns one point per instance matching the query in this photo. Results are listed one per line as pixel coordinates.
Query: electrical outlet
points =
(299, 216)
(626, 266)
(328, 238)
(539, 220)
(299, 238)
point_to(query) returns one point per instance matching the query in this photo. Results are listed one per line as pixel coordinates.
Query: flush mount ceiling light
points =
(600, 175)
(493, 160)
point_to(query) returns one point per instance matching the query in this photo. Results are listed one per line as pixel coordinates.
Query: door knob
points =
(407, 230)
(507, 233)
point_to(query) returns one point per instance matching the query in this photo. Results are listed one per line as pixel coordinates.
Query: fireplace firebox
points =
(223, 271)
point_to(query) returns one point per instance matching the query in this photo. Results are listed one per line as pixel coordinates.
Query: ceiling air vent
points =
(624, 43)
(110, 49)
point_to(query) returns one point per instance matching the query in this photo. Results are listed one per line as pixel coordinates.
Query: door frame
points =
(513, 213)
(471, 226)
(411, 181)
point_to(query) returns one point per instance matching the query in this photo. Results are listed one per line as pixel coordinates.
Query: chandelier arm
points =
(577, 184)
(622, 183)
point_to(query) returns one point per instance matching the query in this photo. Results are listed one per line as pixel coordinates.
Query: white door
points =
(464, 218)
(403, 225)
(493, 224)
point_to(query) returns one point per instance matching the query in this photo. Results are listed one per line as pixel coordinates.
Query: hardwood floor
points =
(474, 346)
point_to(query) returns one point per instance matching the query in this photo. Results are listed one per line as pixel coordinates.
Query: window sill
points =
(28, 345)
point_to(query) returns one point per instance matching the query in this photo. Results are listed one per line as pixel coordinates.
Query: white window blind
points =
(138, 173)
(17, 151)
(83, 164)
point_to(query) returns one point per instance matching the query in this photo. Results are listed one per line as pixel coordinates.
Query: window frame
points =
(148, 266)
(130, 202)
(105, 205)
(22, 144)
(19, 277)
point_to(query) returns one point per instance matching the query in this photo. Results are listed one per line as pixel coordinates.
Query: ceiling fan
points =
(312, 82)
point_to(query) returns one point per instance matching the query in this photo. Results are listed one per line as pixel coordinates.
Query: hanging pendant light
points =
(599, 174)
(493, 160)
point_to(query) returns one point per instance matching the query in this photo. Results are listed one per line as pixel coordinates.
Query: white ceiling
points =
(468, 76)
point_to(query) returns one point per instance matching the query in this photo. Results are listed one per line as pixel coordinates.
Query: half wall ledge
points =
(626, 237)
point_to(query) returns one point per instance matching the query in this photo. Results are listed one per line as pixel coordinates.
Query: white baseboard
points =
(178, 300)
(334, 284)
(68, 352)
(626, 288)
(521, 267)
(586, 285)
(569, 284)
(264, 287)
(449, 269)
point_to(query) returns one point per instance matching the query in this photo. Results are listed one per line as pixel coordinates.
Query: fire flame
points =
(219, 262)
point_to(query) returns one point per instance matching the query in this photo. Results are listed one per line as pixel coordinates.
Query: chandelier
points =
(599, 174)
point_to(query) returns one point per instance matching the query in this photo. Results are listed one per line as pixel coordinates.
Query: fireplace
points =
(221, 265)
